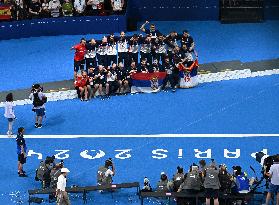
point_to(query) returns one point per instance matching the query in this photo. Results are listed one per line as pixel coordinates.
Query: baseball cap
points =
(65, 170)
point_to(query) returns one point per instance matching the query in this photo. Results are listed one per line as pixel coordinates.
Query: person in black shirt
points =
(100, 79)
(172, 74)
(172, 41)
(111, 50)
(143, 67)
(122, 46)
(187, 40)
(90, 56)
(35, 9)
(152, 31)
(160, 48)
(21, 152)
(145, 49)
(134, 49)
(122, 78)
(102, 52)
(112, 84)
(155, 67)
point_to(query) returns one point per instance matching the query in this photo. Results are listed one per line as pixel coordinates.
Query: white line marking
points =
(147, 136)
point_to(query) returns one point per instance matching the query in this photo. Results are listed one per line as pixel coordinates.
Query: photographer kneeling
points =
(39, 100)
(273, 174)
(104, 174)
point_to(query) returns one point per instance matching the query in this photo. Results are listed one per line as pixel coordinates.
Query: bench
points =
(84, 190)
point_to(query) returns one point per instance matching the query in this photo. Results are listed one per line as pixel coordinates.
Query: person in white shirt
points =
(9, 113)
(79, 7)
(273, 174)
(61, 194)
(117, 5)
(54, 7)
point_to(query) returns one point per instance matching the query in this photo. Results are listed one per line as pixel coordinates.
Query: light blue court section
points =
(134, 158)
(44, 59)
(235, 106)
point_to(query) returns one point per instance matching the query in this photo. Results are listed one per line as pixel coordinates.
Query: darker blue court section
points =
(235, 106)
(134, 158)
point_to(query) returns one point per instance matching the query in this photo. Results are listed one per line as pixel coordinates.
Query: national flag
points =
(147, 82)
(5, 12)
(188, 75)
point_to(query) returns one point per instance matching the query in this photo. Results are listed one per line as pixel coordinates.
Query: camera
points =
(108, 162)
(265, 160)
(36, 88)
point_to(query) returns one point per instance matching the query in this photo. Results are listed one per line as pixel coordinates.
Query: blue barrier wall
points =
(271, 9)
(173, 10)
(62, 26)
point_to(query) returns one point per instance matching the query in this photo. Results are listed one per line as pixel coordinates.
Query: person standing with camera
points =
(105, 173)
(273, 174)
(21, 152)
(39, 100)
(61, 194)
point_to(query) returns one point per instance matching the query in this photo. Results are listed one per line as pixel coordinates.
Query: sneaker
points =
(22, 175)
(40, 126)
(9, 133)
(36, 125)
(173, 90)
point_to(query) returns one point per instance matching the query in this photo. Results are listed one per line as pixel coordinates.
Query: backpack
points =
(37, 101)
(54, 174)
(40, 171)
(43, 172)
(101, 176)
(242, 183)
(225, 181)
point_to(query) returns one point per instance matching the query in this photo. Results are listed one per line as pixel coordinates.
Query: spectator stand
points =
(86, 189)
(62, 26)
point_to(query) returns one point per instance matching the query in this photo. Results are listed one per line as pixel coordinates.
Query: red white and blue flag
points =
(188, 75)
(147, 82)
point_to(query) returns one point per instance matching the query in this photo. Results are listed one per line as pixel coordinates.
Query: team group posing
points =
(110, 62)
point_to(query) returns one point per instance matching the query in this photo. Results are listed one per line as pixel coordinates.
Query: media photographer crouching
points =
(106, 172)
(39, 100)
(48, 173)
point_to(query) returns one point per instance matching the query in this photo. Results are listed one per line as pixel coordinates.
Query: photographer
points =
(178, 178)
(164, 185)
(54, 174)
(105, 173)
(191, 185)
(39, 100)
(273, 174)
(44, 170)
(211, 183)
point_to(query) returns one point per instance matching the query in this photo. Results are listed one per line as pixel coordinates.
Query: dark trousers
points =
(78, 65)
(134, 57)
(90, 62)
(123, 57)
(111, 59)
(172, 78)
(148, 57)
(170, 55)
(160, 56)
(113, 87)
(102, 60)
